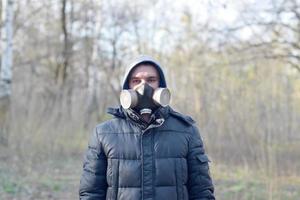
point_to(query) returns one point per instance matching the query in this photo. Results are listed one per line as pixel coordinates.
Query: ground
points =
(59, 180)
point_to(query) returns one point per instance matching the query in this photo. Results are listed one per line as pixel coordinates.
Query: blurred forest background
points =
(232, 65)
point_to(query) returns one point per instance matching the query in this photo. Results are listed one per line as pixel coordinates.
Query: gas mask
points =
(144, 99)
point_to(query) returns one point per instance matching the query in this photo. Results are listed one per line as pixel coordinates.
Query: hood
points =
(140, 60)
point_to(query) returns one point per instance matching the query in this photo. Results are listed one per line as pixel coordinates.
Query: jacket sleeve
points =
(200, 186)
(93, 182)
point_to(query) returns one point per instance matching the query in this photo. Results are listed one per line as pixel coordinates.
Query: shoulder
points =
(186, 124)
(110, 126)
(186, 119)
(179, 122)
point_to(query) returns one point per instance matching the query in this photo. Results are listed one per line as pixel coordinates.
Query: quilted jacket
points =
(165, 161)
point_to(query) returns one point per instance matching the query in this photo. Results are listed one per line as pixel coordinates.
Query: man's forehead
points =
(144, 70)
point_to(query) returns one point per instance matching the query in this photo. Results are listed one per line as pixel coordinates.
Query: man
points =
(147, 151)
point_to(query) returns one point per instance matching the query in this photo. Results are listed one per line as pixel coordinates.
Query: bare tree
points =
(7, 56)
(6, 66)
(61, 71)
(274, 27)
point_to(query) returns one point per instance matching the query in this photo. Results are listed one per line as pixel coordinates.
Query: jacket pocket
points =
(203, 162)
(203, 158)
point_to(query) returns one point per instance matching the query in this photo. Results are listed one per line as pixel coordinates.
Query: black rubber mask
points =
(144, 99)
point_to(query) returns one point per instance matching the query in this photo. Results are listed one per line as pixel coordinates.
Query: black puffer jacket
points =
(165, 161)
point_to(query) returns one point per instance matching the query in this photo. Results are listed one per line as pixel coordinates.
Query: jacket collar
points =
(161, 113)
(157, 118)
(117, 112)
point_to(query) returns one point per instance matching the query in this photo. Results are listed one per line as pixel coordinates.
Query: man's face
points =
(144, 74)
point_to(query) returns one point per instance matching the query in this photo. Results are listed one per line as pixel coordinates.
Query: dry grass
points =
(59, 180)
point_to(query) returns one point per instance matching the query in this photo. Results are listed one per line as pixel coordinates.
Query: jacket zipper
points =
(161, 121)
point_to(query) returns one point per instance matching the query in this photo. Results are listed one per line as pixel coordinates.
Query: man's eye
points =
(152, 80)
(136, 81)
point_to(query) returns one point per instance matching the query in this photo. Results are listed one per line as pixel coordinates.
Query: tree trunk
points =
(6, 60)
(6, 65)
